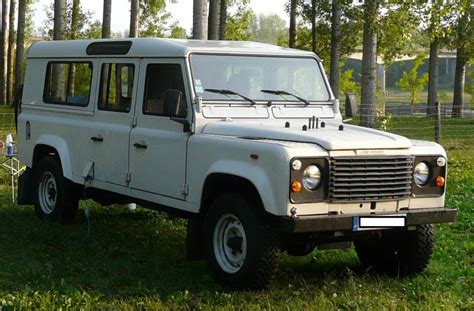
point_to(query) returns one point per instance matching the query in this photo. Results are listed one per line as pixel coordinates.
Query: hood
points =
(329, 137)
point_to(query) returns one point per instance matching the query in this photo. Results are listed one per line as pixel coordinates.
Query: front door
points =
(110, 136)
(158, 144)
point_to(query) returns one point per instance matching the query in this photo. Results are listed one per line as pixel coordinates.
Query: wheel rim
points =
(230, 243)
(47, 193)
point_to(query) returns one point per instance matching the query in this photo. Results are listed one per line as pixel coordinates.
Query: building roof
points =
(154, 47)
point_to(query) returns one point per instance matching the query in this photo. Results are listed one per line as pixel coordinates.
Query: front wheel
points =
(55, 199)
(403, 254)
(242, 252)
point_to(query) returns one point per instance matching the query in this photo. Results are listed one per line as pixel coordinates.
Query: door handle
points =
(140, 146)
(97, 139)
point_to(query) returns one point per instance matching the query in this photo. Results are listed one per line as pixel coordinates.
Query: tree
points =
(106, 19)
(11, 52)
(198, 29)
(4, 53)
(269, 28)
(177, 32)
(20, 43)
(464, 44)
(213, 24)
(134, 8)
(223, 19)
(369, 64)
(153, 18)
(59, 19)
(239, 25)
(292, 33)
(411, 81)
(335, 38)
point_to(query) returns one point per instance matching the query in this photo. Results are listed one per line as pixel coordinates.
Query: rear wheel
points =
(402, 254)
(55, 198)
(242, 252)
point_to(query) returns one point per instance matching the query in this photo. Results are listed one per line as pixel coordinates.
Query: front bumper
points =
(325, 223)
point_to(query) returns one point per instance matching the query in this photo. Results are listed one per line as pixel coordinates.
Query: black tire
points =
(231, 214)
(54, 197)
(398, 254)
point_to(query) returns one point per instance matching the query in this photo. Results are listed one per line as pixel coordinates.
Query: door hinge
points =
(184, 189)
(128, 178)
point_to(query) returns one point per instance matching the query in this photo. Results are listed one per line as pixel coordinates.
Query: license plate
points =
(378, 222)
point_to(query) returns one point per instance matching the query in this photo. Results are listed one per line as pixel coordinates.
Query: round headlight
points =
(422, 173)
(311, 177)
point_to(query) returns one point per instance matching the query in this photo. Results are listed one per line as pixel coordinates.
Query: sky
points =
(181, 11)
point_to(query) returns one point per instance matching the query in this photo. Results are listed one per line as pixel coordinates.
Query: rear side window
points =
(68, 83)
(116, 87)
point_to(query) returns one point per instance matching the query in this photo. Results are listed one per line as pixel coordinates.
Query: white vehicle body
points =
(170, 161)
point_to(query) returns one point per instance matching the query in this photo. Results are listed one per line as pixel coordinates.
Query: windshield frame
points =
(329, 100)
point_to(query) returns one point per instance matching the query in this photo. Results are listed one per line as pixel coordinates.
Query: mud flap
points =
(25, 188)
(194, 239)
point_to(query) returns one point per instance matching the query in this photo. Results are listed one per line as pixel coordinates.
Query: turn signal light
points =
(296, 186)
(439, 181)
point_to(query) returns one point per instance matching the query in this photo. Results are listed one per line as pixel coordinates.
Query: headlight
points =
(422, 173)
(311, 177)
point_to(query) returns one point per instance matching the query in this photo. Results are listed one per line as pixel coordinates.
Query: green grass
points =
(135, 260)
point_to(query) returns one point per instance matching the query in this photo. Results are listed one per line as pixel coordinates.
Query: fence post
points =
(437, 123)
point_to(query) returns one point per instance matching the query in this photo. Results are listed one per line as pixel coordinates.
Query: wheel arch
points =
(218, 183)
(56, 148)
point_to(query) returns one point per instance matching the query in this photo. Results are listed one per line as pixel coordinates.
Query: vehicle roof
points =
(154, 47)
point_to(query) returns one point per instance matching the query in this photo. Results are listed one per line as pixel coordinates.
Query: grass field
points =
(135, 260)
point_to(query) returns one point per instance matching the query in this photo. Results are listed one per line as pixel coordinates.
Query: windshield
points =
(249, 75)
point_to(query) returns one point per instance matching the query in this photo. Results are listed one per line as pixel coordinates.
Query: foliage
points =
(153, 18)
(383, 120)
(177, 32)
(346, 84)
(411, 81)
(86, 28)
(239, 24)
(269, 28)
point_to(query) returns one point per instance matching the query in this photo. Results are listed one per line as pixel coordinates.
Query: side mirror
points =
(173, 102)
(350, 105)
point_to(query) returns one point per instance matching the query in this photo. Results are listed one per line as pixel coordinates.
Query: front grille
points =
(370, 178)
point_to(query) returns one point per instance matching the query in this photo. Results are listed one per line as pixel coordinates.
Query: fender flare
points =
(58, 144)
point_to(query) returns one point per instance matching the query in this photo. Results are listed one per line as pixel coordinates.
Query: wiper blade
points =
(229, 92)
(280, 93)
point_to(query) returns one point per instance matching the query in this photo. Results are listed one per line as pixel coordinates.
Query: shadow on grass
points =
(127, 255)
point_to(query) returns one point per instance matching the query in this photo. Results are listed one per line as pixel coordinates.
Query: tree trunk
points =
(11, 52)
(334, 68)
(369, 65)
(313, 26)
(213, 24)
(223, 19)
(20, 44)
(134, 19)
(106, 19)
(292, 38)
(59, 19)
(459, 80)
(73, 36)
(4, 53)
(198, 31)
(433, 77)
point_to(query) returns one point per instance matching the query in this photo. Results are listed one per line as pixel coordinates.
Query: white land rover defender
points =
(243, 139)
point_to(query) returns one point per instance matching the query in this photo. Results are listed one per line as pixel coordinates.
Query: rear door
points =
(114, 118)
(158, 144)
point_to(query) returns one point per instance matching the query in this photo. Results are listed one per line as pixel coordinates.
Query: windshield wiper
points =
(229, 92)
(280, 93)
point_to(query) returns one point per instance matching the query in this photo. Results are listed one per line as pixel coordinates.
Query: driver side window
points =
(161, 78)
